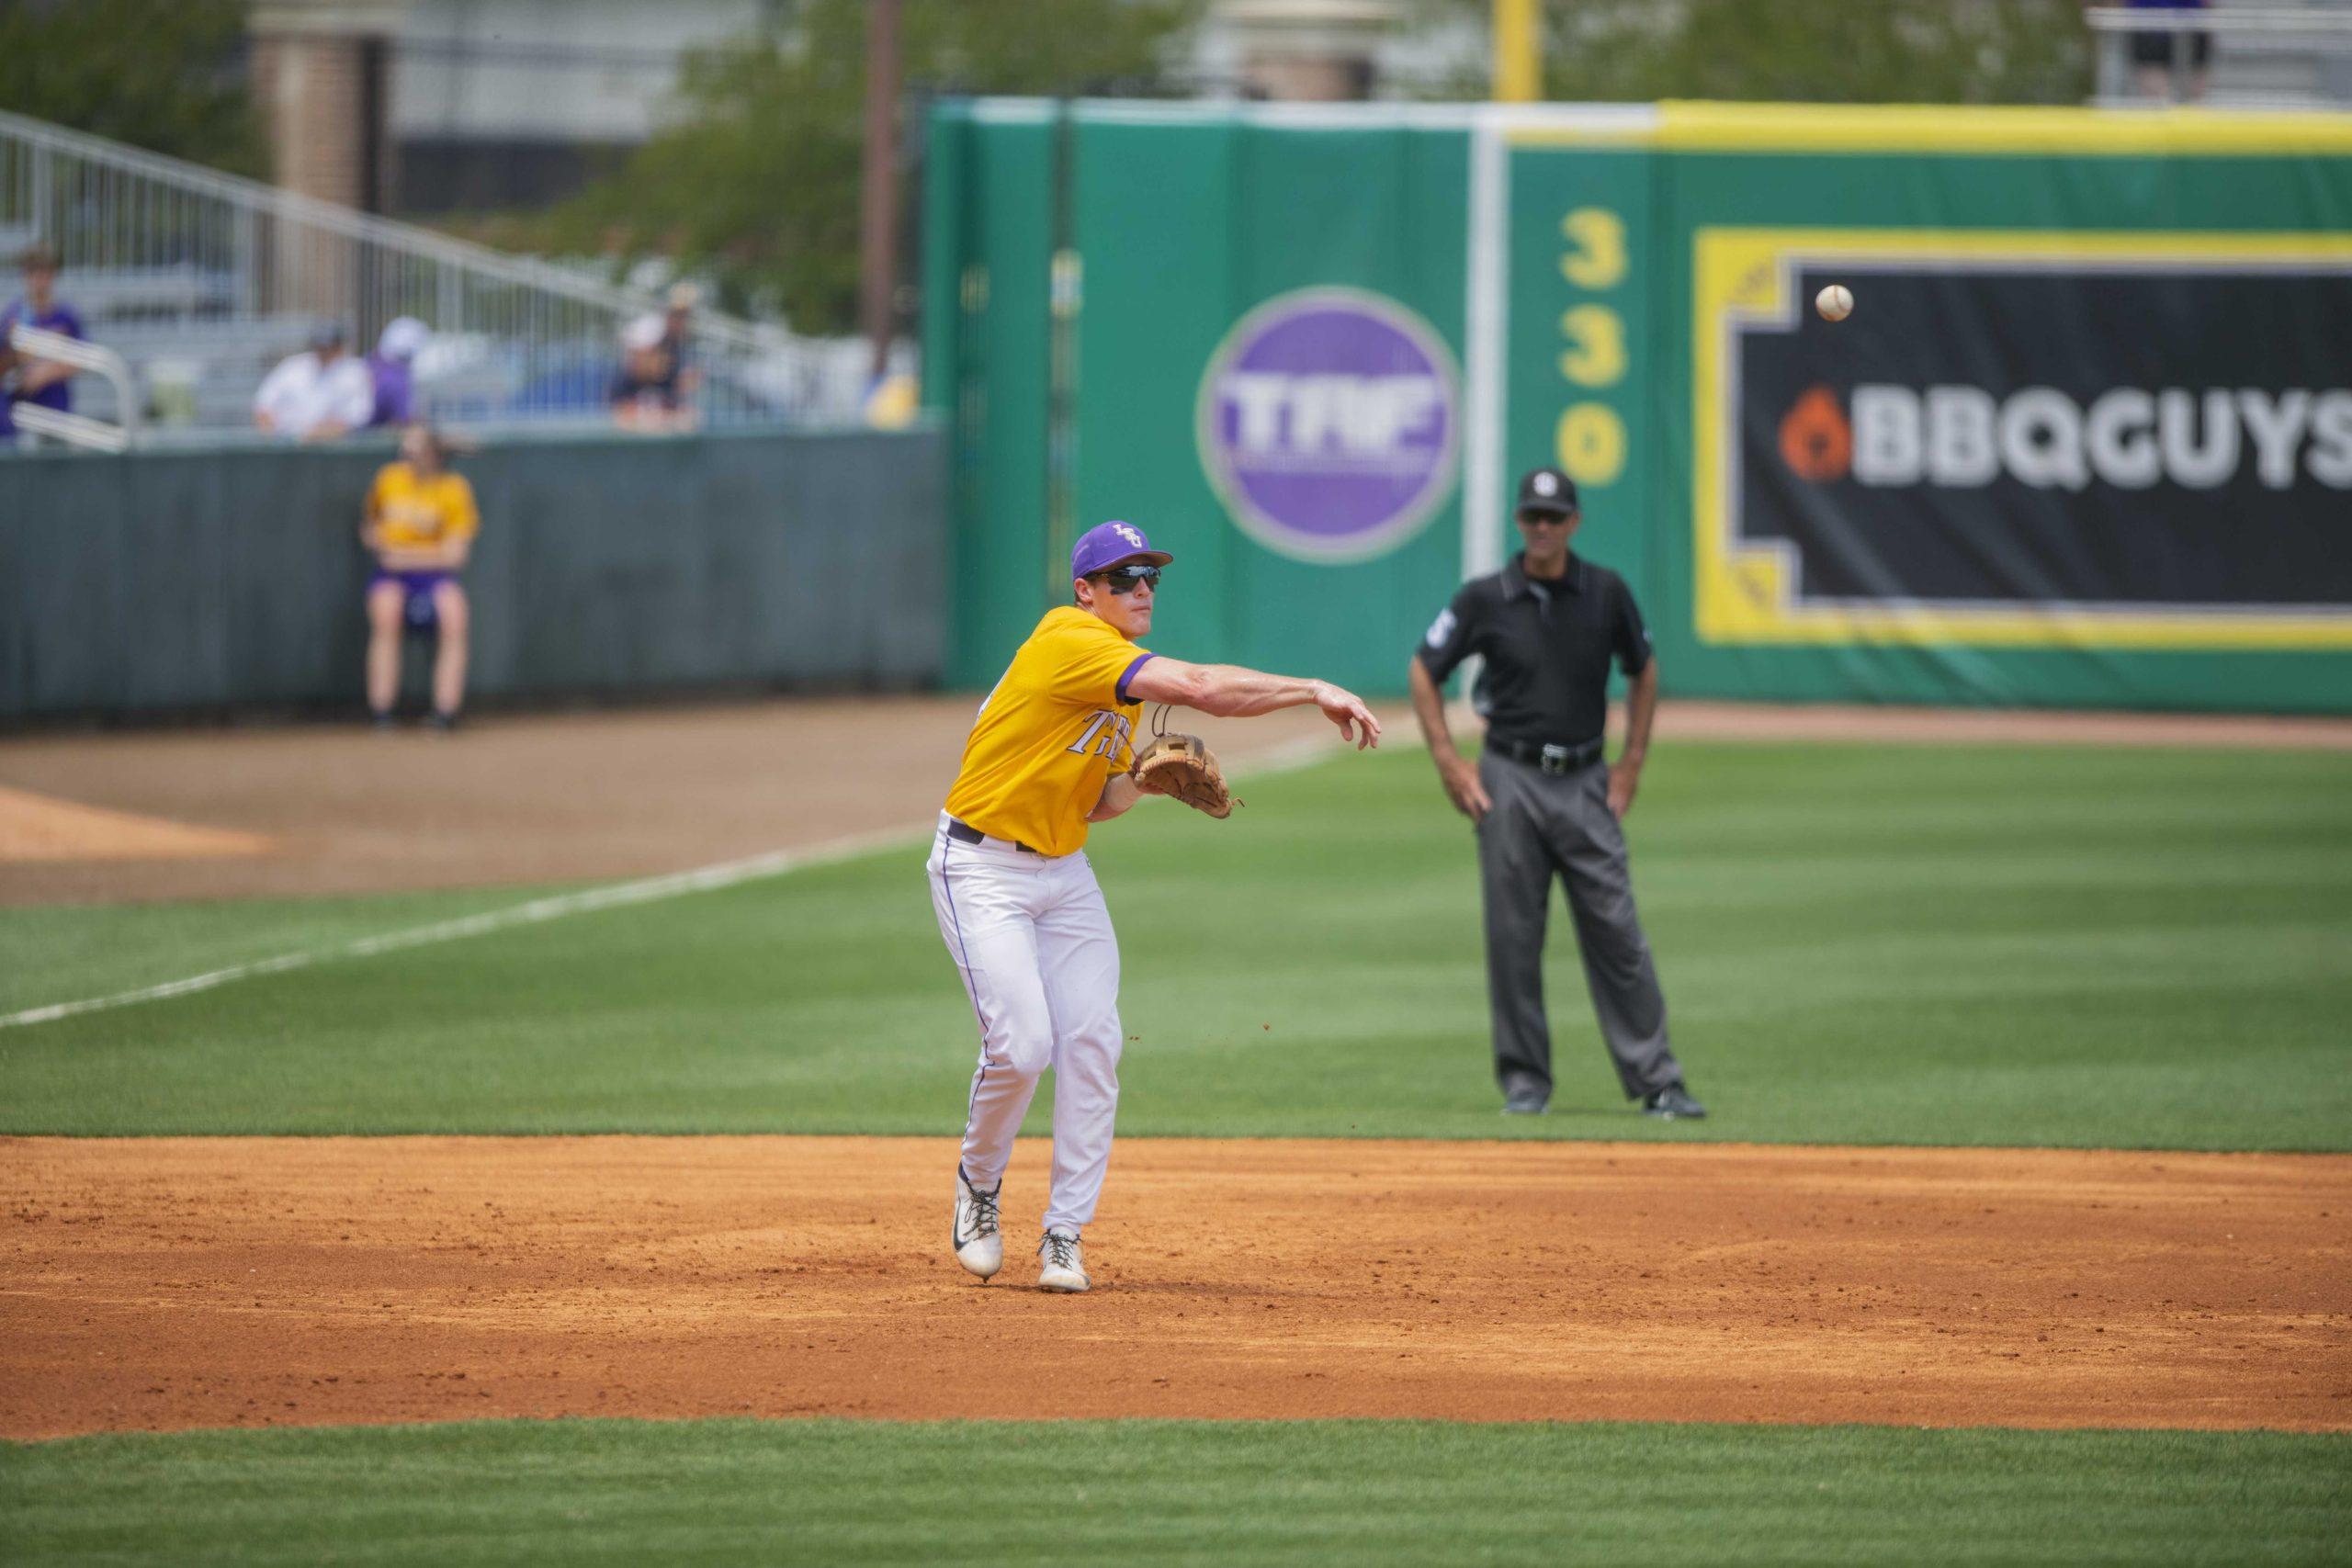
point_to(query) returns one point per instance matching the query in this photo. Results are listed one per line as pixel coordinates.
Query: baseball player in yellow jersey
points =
(1016, 898)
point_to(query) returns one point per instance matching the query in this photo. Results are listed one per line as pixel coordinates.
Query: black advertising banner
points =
(2159, 438)
(2059, 448)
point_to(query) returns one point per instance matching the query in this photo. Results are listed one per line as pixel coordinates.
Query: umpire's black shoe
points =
(1528, 1099)
(1672, 1103)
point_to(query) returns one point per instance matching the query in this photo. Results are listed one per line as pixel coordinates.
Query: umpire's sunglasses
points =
(1123, 578)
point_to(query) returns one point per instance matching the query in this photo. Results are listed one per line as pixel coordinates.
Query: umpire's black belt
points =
(1552, 760)
(964, 833)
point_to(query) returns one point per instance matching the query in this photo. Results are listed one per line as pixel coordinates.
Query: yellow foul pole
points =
(1518, 54)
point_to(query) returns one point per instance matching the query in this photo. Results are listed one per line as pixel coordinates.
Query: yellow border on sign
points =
(1743, 595)
(1685, 126)
(1906, 128)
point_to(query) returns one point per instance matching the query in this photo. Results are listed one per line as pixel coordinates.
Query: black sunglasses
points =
(1123, 578)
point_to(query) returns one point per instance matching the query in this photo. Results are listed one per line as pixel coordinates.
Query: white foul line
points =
(646, 890)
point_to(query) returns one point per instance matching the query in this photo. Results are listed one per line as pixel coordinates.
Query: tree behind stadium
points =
(1823, 51)
(164, 76)
(758, 184)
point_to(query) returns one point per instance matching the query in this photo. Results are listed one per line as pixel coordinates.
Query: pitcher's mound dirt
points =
(35, 828)
(195, 1282)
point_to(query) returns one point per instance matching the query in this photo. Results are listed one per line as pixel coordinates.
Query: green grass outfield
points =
(1208, 1492)
(1859, 944)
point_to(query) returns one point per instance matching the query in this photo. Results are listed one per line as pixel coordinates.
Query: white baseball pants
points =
(1032, 939)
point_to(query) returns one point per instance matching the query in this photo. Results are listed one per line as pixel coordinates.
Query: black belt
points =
(1549, 759)
(964, 833)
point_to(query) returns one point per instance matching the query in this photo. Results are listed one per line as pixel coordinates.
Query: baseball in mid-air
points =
(1834, 302)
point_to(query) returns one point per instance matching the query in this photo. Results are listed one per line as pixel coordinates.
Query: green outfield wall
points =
(2085, 440)
(164, 583)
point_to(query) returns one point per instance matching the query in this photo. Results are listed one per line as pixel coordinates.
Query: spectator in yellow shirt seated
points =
(420, 527)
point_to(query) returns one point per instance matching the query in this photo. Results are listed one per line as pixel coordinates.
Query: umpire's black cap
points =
(1547, 489)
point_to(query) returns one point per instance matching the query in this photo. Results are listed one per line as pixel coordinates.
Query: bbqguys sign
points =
(2126, 437)
(1330, 423)
(2038, 448)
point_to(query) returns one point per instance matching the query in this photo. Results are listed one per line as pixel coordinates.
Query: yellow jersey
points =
(1056, 729)
(413, 513)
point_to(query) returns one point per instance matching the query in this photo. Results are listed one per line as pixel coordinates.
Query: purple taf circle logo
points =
(1330, 423)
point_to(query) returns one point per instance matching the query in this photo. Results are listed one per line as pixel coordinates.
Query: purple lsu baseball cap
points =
(1107, 544)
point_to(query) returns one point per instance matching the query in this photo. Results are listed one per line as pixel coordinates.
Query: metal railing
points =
(77, 429)
(2244, 56)
(203, 280)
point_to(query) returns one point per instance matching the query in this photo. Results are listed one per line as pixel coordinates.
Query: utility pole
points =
(878, 216)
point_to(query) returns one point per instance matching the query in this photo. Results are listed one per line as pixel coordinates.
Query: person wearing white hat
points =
(649, 392)
(394, 369)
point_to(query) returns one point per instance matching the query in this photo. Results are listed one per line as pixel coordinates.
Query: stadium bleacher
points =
(201, 282)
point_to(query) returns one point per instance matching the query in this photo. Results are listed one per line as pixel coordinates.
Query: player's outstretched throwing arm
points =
(1229, 691)
(1181, 766)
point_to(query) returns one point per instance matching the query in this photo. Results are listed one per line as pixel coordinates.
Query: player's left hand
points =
(1624, 778)
(1347, 710)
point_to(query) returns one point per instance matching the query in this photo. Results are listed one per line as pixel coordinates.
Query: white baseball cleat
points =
(977, 1246)
(1061, 1265)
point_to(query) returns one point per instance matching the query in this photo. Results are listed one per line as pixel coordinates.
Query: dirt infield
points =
(558, 797)
(171, 1283)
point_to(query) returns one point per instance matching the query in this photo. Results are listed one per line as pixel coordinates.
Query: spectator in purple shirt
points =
(393, 366)
(41, 381)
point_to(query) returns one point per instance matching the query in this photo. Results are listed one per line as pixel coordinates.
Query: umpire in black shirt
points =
(1545, 804)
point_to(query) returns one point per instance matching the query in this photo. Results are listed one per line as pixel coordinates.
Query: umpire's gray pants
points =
(1544, 825)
